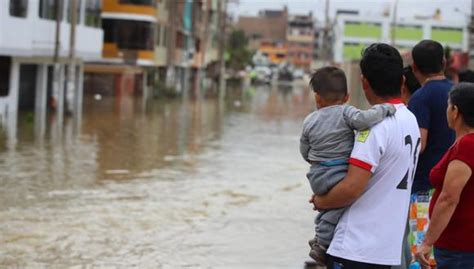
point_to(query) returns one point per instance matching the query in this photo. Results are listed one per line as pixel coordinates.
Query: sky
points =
(452, 10)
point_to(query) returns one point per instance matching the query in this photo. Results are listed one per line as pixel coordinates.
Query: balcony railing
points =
(138, 2)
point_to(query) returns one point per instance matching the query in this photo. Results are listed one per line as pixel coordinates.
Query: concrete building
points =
(268, 26)
(192, 43)
(29, 39)
(300, 37)
(128, 48)
(471, 37)
(353, 33)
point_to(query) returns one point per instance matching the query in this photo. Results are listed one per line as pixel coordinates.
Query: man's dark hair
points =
(330, 83)
(462, 96)
(466, 76)
(428, 55)
(382, 66)
(411, 82)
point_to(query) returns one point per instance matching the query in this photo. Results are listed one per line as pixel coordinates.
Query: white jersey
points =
(371, 230)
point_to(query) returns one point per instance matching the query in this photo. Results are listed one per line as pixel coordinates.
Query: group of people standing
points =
(395, 181)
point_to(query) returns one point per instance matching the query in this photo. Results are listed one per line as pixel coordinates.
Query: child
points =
(327, 141)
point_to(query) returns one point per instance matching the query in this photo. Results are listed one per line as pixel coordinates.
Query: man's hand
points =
(423, 255)
(312, 200)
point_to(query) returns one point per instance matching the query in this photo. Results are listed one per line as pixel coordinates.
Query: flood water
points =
(173, 184)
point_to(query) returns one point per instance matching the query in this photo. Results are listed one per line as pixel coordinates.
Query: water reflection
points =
(175, 184)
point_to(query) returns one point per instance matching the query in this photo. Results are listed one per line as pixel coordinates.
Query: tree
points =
(239, 54)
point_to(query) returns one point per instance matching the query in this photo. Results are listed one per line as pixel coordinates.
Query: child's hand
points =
(391, 109)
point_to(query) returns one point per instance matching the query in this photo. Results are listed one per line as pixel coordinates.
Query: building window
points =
(5, 64)
(78, 11)
(93, 10)
(138, 2)
(180, 40)
(133, 35)
(18, 8)
(158, 35)
(164, 40)
(161, 35)
(48, 9)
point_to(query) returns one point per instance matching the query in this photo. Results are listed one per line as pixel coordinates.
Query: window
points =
(93, 9)
(164, 39)
(5, 63)
(180, 40)
(48, 9)
(18, 8)
(158, 35)
(133, 35)
(161, 36)
(138, 2)
(78, 11)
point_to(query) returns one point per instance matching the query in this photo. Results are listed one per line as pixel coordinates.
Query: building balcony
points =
(136, 7)
(112, 53)
(300, 38)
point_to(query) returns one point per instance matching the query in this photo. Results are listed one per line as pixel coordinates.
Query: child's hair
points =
(330, 83)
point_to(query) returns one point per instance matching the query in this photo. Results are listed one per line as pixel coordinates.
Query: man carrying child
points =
(376, 188)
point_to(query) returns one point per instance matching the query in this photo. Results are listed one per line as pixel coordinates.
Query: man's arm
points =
(346, 191)
(420, 107)
(424, 138)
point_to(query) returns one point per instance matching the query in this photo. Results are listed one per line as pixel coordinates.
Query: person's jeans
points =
(447, 259)
(339, 263)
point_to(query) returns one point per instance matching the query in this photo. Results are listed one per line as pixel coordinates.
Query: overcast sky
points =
(451, 9)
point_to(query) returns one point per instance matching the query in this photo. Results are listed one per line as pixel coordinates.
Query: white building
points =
(27, 48)
(352, 33)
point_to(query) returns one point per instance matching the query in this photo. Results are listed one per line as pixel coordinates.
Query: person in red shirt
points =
(451, 230)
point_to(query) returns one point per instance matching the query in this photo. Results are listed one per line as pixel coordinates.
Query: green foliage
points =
(239, 54)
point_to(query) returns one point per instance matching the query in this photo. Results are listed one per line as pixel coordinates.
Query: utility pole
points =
(204, 37)
(171, 49)
(71, 71)
(327, 28)
(57, 102)
(222, 6)
(394, 23)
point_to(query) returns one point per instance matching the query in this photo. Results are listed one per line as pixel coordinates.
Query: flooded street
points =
(175, 184)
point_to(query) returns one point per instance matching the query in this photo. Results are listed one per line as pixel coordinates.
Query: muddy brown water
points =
(173, 184)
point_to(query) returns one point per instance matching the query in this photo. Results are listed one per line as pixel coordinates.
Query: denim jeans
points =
(339, 263)
(448, 259)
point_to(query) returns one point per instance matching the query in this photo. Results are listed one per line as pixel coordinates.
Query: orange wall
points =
(272, 52)
(110, 50)
(115, 6)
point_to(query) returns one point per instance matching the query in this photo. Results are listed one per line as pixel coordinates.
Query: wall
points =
(353, 33)
(34, 37)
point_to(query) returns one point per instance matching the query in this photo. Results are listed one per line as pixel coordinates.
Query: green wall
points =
(363, 30)
(352, 51)
(447, 35)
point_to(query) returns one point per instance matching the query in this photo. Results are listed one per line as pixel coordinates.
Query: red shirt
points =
(459, 234)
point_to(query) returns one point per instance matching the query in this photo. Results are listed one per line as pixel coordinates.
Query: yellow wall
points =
(110, 50)
(273, 51)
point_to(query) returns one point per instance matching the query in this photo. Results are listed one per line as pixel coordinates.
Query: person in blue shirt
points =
(428, 104)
